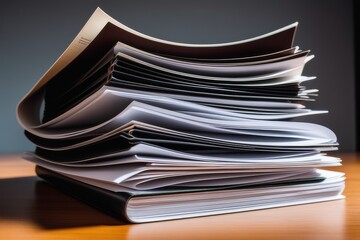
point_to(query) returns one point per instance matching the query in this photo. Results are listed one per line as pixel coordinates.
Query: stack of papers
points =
(169, 130)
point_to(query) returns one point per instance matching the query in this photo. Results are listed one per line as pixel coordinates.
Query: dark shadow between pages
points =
(32, 200)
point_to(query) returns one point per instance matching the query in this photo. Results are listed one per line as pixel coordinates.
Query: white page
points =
(320, 135)
(206, 180)
(331, 179)
(322, 162)
(154, 58)
(239, 159)
(105, 173)
(262, 116)
(122, 76)
(140, 112)
(258, 68)
(96, 103)
(203, 100)
(205, 162)
(144, 150)
(125, 172)
(156, 175)
(292, 134)
(155, 78)
(273, 82)
(268, 76)
(247, 181)
(215, 72)
(238, 95)
(308, 134)
(148, 114)
(248, 143)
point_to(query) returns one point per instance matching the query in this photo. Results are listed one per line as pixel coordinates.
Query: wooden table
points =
(31, 209)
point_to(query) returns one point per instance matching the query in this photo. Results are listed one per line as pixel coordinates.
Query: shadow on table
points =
(33, 200)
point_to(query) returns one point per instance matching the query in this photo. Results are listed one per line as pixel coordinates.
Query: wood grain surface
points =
(31, 209)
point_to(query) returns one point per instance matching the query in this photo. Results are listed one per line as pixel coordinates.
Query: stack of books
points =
(149, 130)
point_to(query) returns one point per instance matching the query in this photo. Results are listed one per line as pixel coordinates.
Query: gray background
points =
(34, 33)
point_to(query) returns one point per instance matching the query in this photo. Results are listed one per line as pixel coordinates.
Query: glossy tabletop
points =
(31, 209)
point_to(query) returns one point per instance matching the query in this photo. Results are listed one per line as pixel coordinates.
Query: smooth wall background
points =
(34, 33)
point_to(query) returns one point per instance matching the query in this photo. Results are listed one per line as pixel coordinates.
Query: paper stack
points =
(150, 130)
